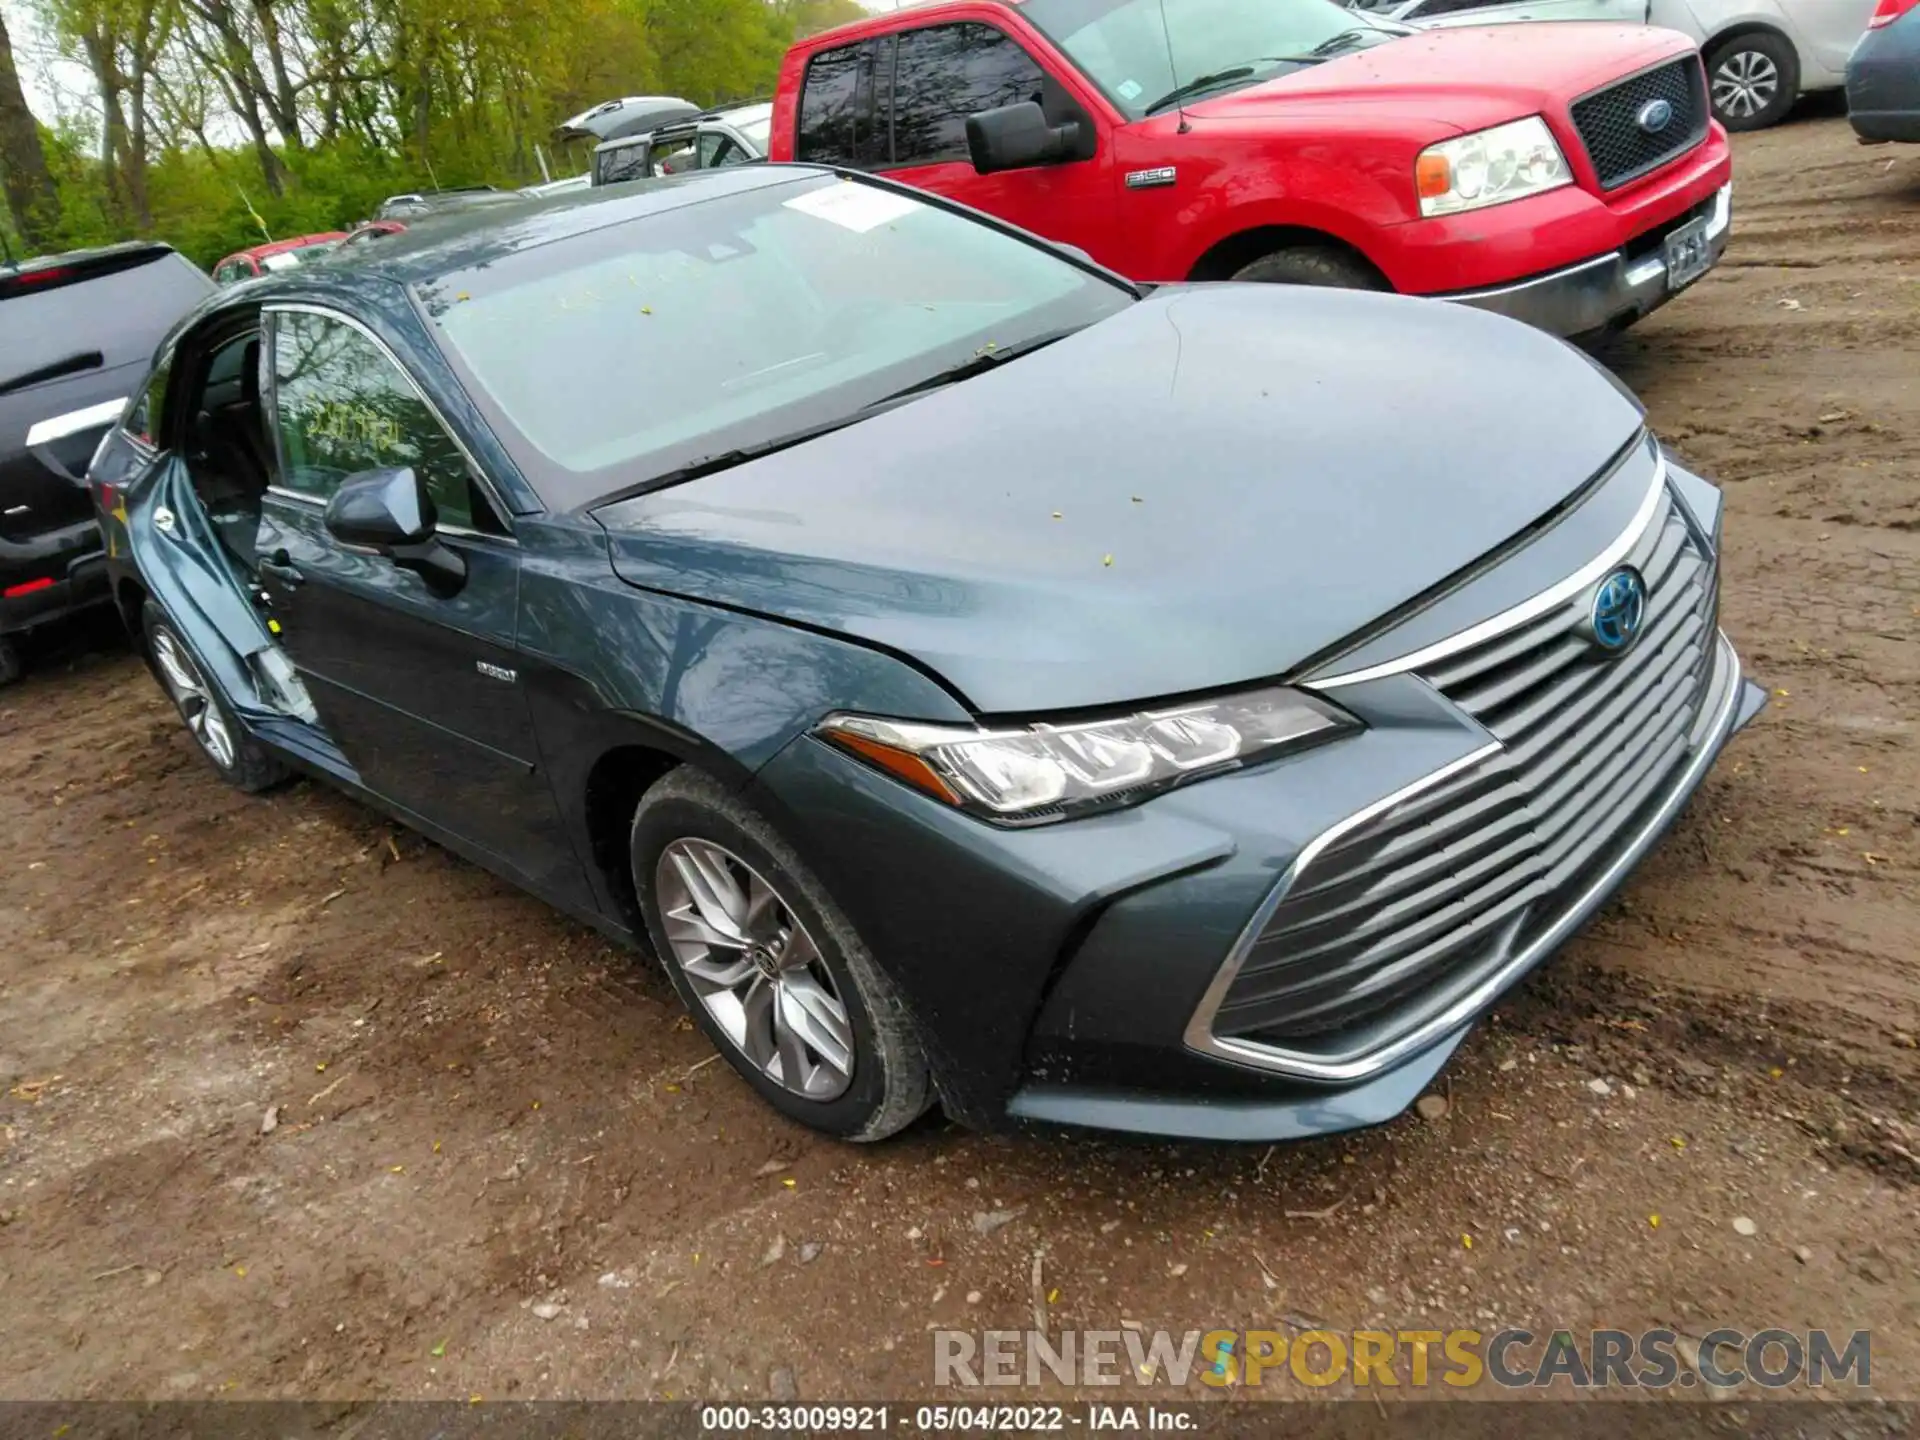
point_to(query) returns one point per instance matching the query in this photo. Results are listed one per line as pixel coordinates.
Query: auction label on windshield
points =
(853, 206)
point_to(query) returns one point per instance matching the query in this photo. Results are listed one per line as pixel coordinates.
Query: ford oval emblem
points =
(1619, 608)
(1655, 116)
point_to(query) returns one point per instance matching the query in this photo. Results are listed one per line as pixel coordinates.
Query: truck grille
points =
(1390, 921)
(1608, 120)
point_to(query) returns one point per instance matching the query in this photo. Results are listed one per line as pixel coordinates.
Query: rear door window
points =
(945, 73)
(836, 109)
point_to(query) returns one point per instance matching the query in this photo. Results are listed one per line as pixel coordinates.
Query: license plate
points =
(1687, 255)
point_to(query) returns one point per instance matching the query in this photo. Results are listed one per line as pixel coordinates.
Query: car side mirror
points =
(1014, 137)
(390, 513)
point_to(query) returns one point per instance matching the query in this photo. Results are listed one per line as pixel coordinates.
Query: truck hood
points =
(1211, 487)
(1468, 77)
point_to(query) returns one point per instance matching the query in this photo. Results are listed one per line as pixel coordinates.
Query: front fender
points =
(610, 666)
(1335, 186)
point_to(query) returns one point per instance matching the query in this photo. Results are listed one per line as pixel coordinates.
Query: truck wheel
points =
(1312, 265)
(1755, 80)
(770, 966)
(243, 762)
(11, 668)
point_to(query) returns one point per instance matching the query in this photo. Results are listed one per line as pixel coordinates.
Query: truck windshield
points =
(1143, 52)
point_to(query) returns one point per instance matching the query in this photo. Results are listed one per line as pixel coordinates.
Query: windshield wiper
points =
(1334, 44)
(1222, 77)
(988, 357)
(1199, 83)
(985, 358)
(740, 455)
(71, 365)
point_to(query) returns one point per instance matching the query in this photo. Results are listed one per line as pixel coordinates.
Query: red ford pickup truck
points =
(1566, 174)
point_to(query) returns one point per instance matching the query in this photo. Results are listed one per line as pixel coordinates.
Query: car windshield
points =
(1129, 48)
(610, 359)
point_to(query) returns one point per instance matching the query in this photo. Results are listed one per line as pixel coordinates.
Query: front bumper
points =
(1606, 292)
(1378, 1086)
(51, 576)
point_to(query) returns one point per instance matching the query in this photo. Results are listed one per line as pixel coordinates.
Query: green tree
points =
(23, 160)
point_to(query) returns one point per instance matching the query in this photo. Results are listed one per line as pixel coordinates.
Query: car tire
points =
(1312, 265)
(803, 994)
(1753, 79)
(12, 667)
(239, 759)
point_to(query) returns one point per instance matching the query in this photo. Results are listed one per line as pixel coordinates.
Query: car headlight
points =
(1490, 167)
(1049, 772)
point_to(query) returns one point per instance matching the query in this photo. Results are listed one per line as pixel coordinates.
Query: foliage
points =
(221, 123)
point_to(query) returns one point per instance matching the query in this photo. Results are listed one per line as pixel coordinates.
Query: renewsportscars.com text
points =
(1415, 1359)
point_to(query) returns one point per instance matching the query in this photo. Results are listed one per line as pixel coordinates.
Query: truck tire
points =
(1312, 265)
(1754, 80)
(11, 668)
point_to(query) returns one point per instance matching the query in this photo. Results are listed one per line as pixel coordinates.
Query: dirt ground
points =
(501, 1164)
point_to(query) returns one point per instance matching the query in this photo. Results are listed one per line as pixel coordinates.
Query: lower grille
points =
(1613, 123)
(1391, 919)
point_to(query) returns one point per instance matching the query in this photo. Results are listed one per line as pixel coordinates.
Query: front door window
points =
(945, 73)
(342, 407)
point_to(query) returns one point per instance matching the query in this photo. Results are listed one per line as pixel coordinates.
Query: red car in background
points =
(1570, 175)
(245, 264)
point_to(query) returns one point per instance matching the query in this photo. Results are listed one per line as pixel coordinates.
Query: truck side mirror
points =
(1014, 137)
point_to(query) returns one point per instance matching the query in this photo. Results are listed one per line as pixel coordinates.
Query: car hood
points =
(1209, 488)
(1469, 77)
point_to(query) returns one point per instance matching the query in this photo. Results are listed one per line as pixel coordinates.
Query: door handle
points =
(279, 566)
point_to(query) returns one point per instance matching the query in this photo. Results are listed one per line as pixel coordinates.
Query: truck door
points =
(898, 105)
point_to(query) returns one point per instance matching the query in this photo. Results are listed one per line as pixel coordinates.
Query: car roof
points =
(735, 115)
(438, 245)
(126, 249)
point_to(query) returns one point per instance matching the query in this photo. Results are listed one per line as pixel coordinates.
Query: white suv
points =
(1761, 55)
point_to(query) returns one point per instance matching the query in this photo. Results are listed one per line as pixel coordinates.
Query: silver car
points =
(1761, 55)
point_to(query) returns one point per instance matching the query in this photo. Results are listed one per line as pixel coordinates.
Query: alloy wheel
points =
(1744, 84)
(190, 693)
(755, 968)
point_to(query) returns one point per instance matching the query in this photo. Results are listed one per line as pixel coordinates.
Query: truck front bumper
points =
(1607, 292)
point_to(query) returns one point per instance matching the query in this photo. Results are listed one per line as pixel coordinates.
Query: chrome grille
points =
(1392, 918)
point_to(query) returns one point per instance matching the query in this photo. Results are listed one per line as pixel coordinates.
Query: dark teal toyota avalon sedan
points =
(976, 679)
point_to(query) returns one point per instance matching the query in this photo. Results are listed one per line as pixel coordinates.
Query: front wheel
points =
(241, 761)
(1312, 265)
(769, 965)
(1755, 79)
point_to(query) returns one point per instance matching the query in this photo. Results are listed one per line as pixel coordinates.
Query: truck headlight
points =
(1489, 167)
(1049, 772)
